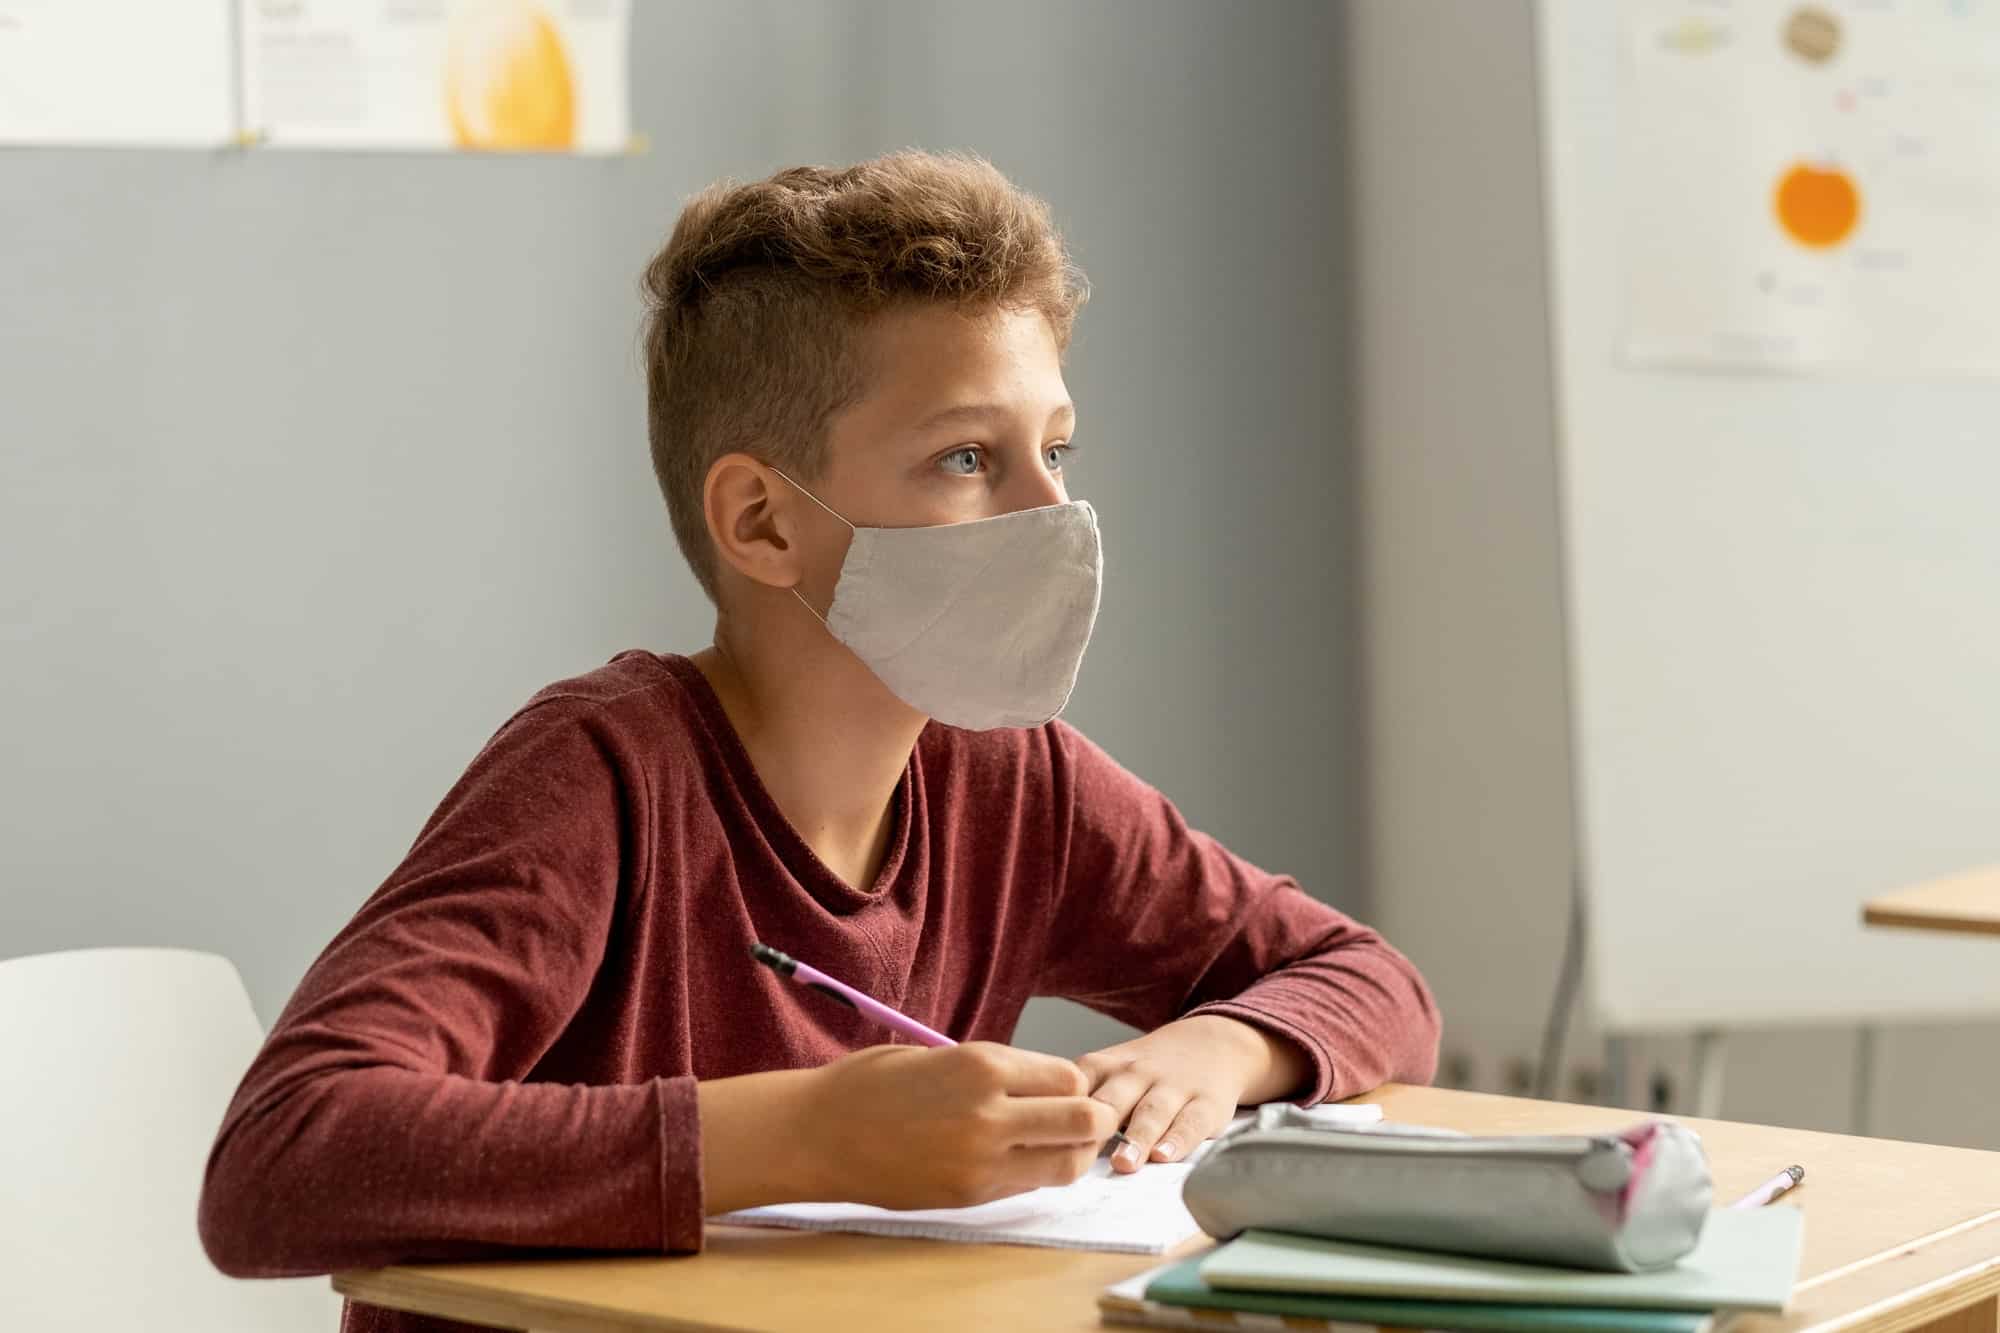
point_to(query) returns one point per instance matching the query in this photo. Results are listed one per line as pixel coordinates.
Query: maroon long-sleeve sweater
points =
(498, 1054)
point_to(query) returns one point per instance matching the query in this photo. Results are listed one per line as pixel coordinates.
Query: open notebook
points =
(1136, 1214)
(1140, 1213)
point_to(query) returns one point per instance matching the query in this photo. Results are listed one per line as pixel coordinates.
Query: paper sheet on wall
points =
(1812, 186)
(116, 72)
(478, 75)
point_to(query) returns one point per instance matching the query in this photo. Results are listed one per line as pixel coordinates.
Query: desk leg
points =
(1864, 1080)
(1709, 1055)
(1981, 1318)
(1617, 1065)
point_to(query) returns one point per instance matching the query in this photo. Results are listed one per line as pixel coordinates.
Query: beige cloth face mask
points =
(979, 624)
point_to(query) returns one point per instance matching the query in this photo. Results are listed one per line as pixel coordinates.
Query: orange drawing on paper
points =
(1817, 207)
(508, 83)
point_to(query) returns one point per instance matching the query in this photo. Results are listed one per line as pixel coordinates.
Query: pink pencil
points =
(787, 966)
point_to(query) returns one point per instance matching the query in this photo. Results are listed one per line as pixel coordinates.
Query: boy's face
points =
(965, 417)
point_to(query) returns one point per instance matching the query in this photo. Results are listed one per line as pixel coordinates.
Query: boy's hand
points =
(1179, 1084)
(903, 1127)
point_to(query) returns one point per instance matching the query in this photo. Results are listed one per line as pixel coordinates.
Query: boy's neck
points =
(828, 740)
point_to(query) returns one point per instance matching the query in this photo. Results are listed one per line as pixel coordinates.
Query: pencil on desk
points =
(1771, 1188)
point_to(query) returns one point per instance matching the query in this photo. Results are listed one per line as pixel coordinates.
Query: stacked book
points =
(1748, 1259)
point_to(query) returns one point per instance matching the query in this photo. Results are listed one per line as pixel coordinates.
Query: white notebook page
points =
(1139, 1213)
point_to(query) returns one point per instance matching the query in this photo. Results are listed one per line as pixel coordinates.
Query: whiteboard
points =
(1784, 639)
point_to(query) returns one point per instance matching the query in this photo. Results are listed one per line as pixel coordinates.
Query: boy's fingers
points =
(1028, 1073)
(1196, 1122)
(1036, 1122)
(1101, 1065)
(1121, 1092)
(1149, 1119)
(1035, 1167)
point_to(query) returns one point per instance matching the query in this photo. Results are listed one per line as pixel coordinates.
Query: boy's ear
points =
(751, 520)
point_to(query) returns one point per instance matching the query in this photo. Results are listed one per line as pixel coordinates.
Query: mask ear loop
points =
(829, 509)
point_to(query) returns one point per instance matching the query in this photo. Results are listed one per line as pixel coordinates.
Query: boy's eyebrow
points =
(982, 411)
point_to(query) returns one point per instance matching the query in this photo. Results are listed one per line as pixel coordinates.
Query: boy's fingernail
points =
(1166, 1149)
(1128, 1153)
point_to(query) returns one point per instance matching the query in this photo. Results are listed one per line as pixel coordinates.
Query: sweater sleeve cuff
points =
(1320, 1079)
(680, 1164)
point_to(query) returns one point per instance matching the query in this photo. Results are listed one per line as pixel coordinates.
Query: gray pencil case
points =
(1623, 1202)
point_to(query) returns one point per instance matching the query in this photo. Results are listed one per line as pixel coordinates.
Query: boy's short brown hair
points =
(755, 303)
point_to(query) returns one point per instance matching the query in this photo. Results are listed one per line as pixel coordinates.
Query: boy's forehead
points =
(935, 365)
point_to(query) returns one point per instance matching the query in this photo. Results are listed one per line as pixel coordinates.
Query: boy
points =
(546, 1030)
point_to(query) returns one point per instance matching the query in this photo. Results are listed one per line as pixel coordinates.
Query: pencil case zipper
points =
(1603, 1163)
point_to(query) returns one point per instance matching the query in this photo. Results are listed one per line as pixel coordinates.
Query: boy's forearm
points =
(530, 1164)
(1360, 1011)
(755, 1132)
(364, 1167)
(1282, 1068)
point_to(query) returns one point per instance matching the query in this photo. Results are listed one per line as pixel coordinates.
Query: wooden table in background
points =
(1898, 1236)
(1968, 902)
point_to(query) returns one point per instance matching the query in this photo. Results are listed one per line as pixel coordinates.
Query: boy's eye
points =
(961, 462)
(1054, 456)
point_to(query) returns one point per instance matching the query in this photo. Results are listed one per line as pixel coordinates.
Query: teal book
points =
(1182, 1286)
(1747, 1259)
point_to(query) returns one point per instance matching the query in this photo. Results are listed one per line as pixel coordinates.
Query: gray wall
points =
(1467, 725)
(313, 466)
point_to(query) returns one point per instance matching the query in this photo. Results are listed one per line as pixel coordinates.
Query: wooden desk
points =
(1967, 902)
(1898, 1236)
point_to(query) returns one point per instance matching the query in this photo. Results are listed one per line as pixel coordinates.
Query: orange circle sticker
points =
(1818, 207)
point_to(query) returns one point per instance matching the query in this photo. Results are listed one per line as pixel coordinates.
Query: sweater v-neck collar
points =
(813, 874)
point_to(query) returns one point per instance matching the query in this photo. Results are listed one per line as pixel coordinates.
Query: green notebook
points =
(1748, 1259)
(1182, 1285)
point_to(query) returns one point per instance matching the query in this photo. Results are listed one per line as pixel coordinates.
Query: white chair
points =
(115, 1067)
